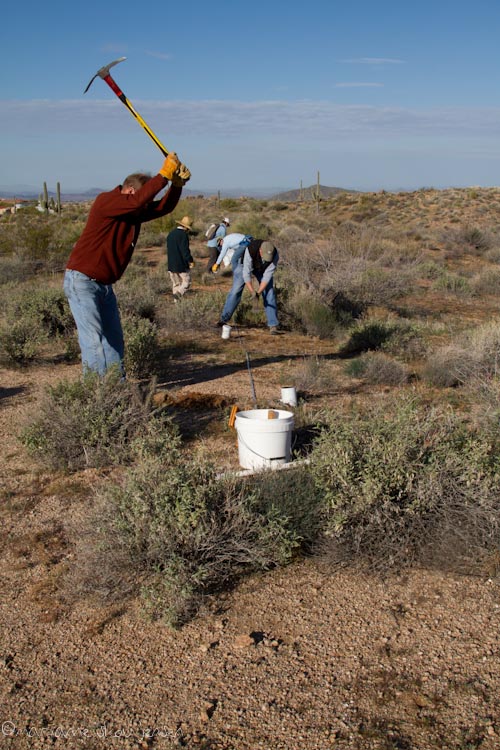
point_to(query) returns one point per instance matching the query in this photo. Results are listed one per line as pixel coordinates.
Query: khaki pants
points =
(180, 282)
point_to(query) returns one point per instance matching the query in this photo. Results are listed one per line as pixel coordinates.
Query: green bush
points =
(20, 340)
(185, 532)
(366, 336)
(46, 308)
(404, 482)
(34, 316)
(90, 422)
(141, 346)
(254, 226)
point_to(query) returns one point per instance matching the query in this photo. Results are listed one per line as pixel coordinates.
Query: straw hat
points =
(186, 222)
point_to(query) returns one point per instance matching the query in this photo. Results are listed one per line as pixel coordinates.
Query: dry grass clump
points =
(449, 366)
(312, 375)
(196, 312)
(378, 368)
(475, 354)
(487, 281)
(357, 268)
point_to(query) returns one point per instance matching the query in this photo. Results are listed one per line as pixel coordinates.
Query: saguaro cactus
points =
(45, 203)
(58, 194)
(316, 193)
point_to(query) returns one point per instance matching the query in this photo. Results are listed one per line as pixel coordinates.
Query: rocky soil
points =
(304, 658)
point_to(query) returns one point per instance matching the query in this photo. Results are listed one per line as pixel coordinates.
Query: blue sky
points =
(254, 95)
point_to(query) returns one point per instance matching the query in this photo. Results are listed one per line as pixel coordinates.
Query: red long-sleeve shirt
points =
(105, 246)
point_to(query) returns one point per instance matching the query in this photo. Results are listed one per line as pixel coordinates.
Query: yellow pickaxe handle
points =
(105, 75)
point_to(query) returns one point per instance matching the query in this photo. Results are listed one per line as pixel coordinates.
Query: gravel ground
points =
(303, 658)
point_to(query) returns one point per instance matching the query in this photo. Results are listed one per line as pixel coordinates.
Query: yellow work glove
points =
(215, 268)
(181, 176)
(170, 165)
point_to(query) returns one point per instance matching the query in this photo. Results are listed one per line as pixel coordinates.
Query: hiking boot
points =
(273, 330)
(220, 323)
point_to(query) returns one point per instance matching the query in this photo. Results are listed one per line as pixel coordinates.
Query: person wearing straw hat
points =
(179, 258)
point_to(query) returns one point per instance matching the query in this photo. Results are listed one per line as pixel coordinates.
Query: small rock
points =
(243, 641)
(207, 711)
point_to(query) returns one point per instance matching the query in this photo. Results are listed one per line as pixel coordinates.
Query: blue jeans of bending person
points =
(234, 297)
(95, 310)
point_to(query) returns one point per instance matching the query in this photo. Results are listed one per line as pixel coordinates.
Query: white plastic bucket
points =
(289, 395)
(226, 331)
(264, 443)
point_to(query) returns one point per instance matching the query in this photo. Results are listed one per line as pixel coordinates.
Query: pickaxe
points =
(105, 75)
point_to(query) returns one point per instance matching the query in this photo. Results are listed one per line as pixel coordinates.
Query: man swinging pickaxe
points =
(105, 75)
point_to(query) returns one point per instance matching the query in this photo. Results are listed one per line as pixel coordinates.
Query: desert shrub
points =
(431, 270)
(377, 368)
(20, 340)
(316, 317)
(90, 422)
(299, 309)
(474, 238)
(38, 242)
(227, 204)
(449, 366)
(291, 233)
(357, 264)
(47, 308)
(32, 317)
(249, 312)
(474, 354)
(403, 482)
(253, 226)
(493, 254)
(486, 281)
(178, 529)
(406, 339)
(141, 346)
(453, 283)
(367, 335)
(195, 312)
(135, 294)
(14, 269)
(311, 375)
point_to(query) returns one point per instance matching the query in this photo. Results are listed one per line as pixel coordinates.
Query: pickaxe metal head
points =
(107, 78)
(104, 71)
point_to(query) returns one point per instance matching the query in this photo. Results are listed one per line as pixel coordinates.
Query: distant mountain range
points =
(29, 193)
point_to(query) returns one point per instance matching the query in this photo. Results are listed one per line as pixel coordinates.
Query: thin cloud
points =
(373, 61)
(159, 55)
(112, 47)
(323, 120)
(355, 85)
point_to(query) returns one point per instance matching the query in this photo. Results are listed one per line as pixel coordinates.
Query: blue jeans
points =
(234, 297)
(97, 319)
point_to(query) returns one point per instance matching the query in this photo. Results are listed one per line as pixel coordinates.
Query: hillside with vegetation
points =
(155, 594)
